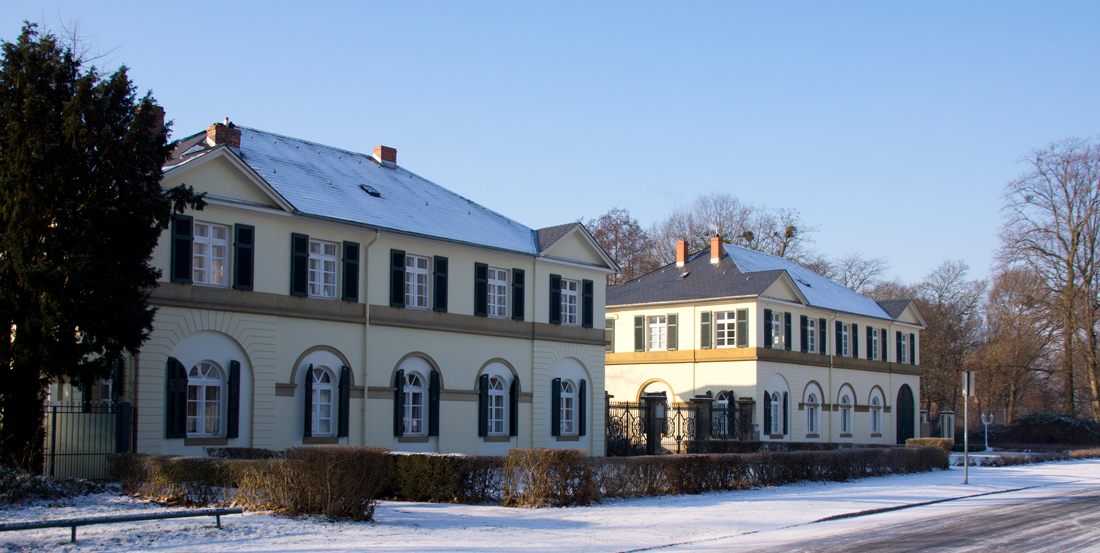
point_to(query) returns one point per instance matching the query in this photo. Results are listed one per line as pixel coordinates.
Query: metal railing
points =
(79, 436)
(74, 522)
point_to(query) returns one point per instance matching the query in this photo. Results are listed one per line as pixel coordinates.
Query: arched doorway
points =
(905, 414)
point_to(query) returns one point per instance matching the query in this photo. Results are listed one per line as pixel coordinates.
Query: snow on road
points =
(695, 522)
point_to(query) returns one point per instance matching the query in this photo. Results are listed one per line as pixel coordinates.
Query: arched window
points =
(568, 408)
(496, 406)
(811, 413)
(323, 395)
(845, 414)
(777, 413)
(876, 416)
(204, 400)
(722, 414)
(414, 404)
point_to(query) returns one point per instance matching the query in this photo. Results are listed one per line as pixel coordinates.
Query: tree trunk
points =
(1067, 353)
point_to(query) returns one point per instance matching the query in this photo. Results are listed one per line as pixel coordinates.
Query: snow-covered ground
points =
(618, 525)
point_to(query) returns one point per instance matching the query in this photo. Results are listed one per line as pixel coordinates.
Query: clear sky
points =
(890, 127)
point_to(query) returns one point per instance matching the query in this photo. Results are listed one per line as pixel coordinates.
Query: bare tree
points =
(892, 290)
(624, 240)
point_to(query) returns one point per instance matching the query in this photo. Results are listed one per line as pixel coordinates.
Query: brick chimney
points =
(385, 156)
(715, 249)
(681, 252)
(223, 133)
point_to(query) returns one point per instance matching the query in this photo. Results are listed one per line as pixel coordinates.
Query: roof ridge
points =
(305, 141)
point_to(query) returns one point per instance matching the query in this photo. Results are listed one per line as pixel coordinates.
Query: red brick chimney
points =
(715, 249)
(681, 252)
(386, 156)
(223, 133)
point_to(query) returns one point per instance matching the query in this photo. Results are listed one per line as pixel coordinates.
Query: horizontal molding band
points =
(215, 298)
(756, 354)
(424, 319)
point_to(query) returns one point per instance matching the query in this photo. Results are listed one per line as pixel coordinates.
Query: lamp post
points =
(987, 422)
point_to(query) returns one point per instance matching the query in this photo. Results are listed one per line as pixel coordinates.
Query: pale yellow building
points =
(325, 296)
(810, 359)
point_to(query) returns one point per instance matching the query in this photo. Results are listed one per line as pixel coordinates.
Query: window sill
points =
(776, 436)
(569, 438)
(208, 285)
(209, 440)
(842, 435)
(873, 435)
(320, 440)
(500, 439)
(322, 297)
(412, 440)
(813, 435)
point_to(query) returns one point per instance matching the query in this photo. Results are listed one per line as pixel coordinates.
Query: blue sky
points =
(891, 128)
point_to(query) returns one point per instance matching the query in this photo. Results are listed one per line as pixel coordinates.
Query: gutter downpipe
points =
(366, 325)
(832, 352)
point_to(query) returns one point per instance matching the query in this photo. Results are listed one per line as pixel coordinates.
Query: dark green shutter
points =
(672, 332)
(308, 432)
(244, 263)
(822, 335)
(897, 349)
(582, 408)
(483, 405)
(433, 404)
(440, 274)
(345, 402)
(838, 347)
(855, 341)
(397, 280)
(870, 340)
(182, 234)
(804, 333)
(299, 265)
(116, 381)
(882, 340)
(706, 334)
(768, 328)
(555, 407)
(787, 331)
(588, 307)
(517, 294)
(639, 333)
(742, 328)
(233, 413)
(176, 406)
(767, 413)
(351, 272)
(481, 289)
(786, 411)
(399, 401)
(513, 407)
(555, 299)
(912, 349)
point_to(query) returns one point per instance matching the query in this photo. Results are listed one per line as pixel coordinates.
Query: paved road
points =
(1063, 517)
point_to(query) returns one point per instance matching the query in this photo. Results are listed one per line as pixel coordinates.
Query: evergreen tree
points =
(81, 208)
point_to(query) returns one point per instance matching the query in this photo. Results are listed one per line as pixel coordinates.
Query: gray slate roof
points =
(547, 236)
(894, 307)
(324, 181)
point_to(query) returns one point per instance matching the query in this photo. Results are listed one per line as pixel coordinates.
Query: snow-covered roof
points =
(818, 290)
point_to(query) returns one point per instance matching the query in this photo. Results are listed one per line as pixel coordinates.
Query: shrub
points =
(17, 486)
(548, 477)
(168, 479)
(1044, 428)
(243, 453)
(943, 443)
(958, 448)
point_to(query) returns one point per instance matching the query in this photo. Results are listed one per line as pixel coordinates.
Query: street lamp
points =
(987, 422)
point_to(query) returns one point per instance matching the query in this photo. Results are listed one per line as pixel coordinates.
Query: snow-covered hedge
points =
(17, 486)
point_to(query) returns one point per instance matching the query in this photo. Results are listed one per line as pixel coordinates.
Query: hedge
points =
(946, 444)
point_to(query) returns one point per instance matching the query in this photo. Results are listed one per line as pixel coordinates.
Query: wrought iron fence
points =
(652, 428)
(79, 436)
(679, 426)
(730, 423)
(626, 428)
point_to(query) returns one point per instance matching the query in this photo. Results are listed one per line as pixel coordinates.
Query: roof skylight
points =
(370, 190)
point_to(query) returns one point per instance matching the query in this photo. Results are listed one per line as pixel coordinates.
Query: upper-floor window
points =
(811, 335)
(658, 333)
(498, 292)
(209, 254)
(322, 269)
(872, 344)
(725, 329)
(496, 406)
(569, 302)
(843, 345)
(904, 348)
(777, 330)
(416, 281)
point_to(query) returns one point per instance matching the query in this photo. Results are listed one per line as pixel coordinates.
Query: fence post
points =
(606, 423)
(654, 422)
(122, 431)
(53, 438)
(703, 416)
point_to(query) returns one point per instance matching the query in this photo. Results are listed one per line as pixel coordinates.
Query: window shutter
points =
(838, 345)
(299, 265)
(822, 334)
(870, 340)
(399, 400)
(481, 290)
(787, 331)
(609, 335)
(116, 381)
(582, 408)
(555, 299)
(883, 335)
(233, 414)
(670, 343)
(176, 406)
(517, 294)
(912, 349)
(742, 328)
(397, 280)
(785, 413)
(182, 235)
(513, 407)
(897, 349)
(767, 413)
(587, 303)
(244, 241)
(440, 274)
(483, 405)
(804, 333)
(706, 335)
(639, 332)
(351, 272)
(768, 328)
(308, 432)
(555, 407)
(345, 402)
(433, 404)
(855, 341)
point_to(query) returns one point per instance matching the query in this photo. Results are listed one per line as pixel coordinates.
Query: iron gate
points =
(79, 436)
(657, 427)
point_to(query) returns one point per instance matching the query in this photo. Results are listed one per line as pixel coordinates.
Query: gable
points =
(783, 289)
(217, 176)
(576, 248)
(911, 315)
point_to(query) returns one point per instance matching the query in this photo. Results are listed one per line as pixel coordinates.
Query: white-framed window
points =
(658, 333)
(845, 414)
(904, 348)
(416, 281)
(872, 347)
(843, 340)
(322, 401)
(496, 406)
(322, 269)
(568, 302)
(209, 252)
(811, 336)
(777, 414)
(414, 404)
(204, 399)
(725, 329)
(568, 408)
(812, 406)
(876, 416)
(777, 330)
(498, 292)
